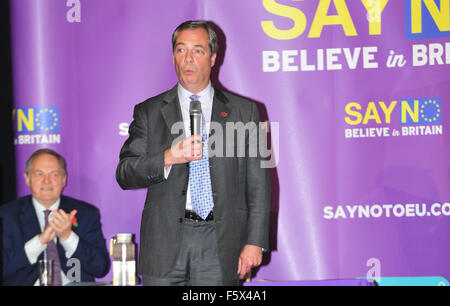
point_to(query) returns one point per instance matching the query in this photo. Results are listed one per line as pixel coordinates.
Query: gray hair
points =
(194, 24)
(60, 159)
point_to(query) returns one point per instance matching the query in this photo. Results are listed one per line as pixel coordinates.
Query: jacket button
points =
(183, 192)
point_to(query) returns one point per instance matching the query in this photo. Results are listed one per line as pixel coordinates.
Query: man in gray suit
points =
(206, 218)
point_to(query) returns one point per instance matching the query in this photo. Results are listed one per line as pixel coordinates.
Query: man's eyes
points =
(197, 51)
(52, 174)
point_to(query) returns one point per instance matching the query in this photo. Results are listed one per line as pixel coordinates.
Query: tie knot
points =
(194, 97)
(47, 213)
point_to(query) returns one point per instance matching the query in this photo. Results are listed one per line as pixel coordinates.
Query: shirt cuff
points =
(34, 248)
(70, 244)
(167, 171)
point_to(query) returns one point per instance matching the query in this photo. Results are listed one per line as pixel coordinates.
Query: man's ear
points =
(64, 180)
(213, 59)
(27, 179)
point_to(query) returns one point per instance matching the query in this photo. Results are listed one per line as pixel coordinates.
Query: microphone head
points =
(195, 114)
(195, 107)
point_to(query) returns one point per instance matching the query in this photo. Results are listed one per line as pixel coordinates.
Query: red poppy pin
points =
(224, 114)
(74, 222)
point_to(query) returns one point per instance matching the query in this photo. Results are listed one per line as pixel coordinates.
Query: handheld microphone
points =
(195, 113)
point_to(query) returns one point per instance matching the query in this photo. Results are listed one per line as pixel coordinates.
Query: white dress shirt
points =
(206, 100)
(34, 247)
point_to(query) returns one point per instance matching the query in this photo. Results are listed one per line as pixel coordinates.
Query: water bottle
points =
(122, 250)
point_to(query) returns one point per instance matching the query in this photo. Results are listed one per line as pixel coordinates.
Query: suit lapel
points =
(220, 110)
(221, 114)
(29, 220)
(171, 111)
(64, 205)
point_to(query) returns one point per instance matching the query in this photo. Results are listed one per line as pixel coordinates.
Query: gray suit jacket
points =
(241, 188)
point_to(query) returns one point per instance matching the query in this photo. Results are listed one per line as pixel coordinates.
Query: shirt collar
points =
(206, 95)
(41, 208)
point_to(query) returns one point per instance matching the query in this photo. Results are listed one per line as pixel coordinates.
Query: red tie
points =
(52, 253)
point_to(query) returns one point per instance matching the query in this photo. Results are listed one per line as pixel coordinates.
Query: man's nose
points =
(47, 178)
(189, 58)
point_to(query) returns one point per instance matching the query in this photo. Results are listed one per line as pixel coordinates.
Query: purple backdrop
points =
(362, 181)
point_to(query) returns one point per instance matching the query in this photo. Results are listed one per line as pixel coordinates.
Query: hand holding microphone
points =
(191, 148)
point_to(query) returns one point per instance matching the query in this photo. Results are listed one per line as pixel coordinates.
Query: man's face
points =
(46, 179)
(192, 59)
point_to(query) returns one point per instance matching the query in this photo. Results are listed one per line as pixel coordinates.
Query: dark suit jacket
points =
(20, 224)
(241, 188)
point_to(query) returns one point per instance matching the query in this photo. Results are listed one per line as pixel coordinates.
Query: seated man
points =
(49, 224)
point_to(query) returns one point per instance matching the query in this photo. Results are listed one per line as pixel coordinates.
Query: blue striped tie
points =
(200, 179)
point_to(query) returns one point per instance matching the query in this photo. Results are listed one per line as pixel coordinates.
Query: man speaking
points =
(206, 218)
